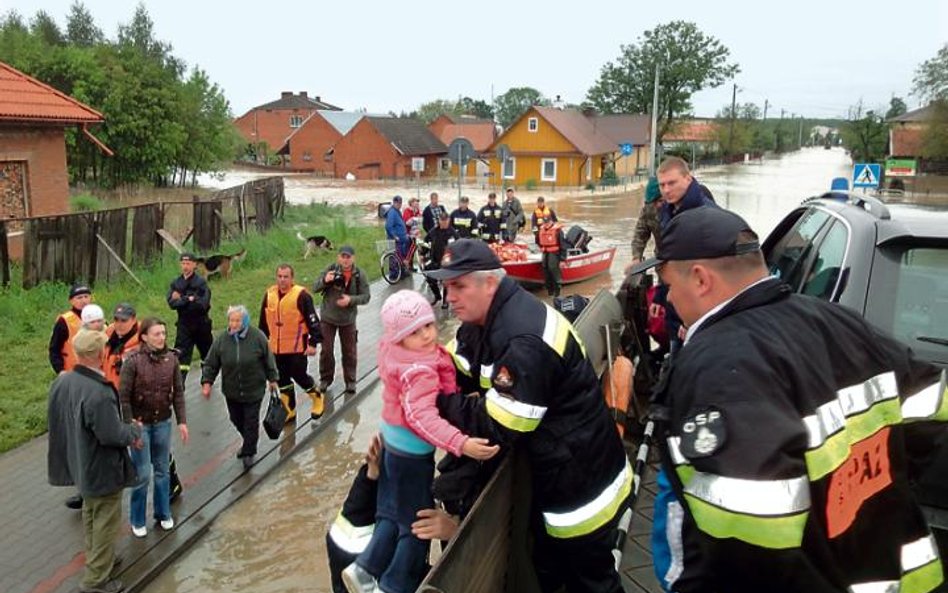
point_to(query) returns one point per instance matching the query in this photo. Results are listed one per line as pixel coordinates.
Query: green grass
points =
(25, 374)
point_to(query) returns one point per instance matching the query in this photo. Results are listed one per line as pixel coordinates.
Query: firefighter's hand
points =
(654, 310)
(343, 301)
(206, 390)
(372, 458)
(183, 429)
(477, 448)
(434, 524)
(310, 351)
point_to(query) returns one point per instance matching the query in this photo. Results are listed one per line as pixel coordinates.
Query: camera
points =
(338, 280)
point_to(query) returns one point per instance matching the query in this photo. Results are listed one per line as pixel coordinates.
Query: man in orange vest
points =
(288, 318)
(540, 214)
(61, 355)
(123, 340)
(550, 238)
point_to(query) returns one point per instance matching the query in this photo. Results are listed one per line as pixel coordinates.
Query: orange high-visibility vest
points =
(74, 323)
(542, 214)
(549, 238)
(111, 361)
(284, 321)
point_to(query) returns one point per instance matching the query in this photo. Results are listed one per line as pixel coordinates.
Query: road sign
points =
(866, 174)
(503, 153)
(418, 164)
(460, 151)
(625, 148)
(901, 167)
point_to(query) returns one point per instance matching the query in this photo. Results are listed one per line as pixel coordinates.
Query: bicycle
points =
(394, 267)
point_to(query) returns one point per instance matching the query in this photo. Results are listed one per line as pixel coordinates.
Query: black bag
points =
(570, 306)
(275, 418)
(174, 481)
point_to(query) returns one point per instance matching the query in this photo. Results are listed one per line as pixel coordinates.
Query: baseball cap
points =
(89, 342)
(79, 289)
(123, 312)
(92, 312)
(347, 250)
(186, 256)
(702, 233)
(652, 191)
(396, 199)
(463, 257)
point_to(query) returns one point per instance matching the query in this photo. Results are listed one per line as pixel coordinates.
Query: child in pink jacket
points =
(414, 369)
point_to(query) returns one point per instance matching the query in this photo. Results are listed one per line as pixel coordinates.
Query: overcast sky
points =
(808, 57)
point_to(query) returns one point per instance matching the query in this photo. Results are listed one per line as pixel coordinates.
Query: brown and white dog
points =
(312, 244)
(219, 264)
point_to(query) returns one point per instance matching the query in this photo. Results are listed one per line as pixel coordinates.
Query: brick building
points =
(383, 147)
(907, 132)
(273, 122)
(480, 132)
(306, 149)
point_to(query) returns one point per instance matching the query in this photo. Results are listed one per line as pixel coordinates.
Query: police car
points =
(889, 262)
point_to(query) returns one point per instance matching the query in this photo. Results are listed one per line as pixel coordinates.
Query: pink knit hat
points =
(402, 313)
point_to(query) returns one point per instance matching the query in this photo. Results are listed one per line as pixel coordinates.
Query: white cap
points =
(92, 313)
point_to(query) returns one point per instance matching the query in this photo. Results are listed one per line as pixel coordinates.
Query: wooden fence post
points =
(4, 256)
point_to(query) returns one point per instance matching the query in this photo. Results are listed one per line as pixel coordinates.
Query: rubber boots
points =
(289, 402)
(319, 403)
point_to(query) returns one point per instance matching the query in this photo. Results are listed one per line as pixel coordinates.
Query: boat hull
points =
(574, 269)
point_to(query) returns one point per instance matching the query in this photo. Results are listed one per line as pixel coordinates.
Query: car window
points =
(908, 297)
(788, 258)
(824, 274)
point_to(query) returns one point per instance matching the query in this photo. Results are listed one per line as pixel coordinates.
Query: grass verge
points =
(25, 373)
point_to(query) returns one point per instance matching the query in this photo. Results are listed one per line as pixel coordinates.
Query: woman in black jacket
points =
(242, 356)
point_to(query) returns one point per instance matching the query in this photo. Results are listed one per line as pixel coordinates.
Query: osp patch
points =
(703, 433)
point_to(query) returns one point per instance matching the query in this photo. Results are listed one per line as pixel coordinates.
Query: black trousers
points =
(245, 416)
(293, 368)
(436, 289)
(552, 273)
(190, 334)
(582, 564)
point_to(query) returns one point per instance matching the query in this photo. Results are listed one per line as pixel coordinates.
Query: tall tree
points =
(690, 61)
(511, 105)
(931, 77)
(896, 108)
(81, 29)
(430, 111)
(737, 132)
(865, 135)
(476, 107)
(935, 136)
(45, 27)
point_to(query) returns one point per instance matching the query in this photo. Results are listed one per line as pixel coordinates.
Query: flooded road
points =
(274, 538)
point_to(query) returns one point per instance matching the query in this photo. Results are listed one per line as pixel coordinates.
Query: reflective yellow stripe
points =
(594, 514)
(487, 373)
(462, 364)
(829, 456)
(930, 403)
(924, 579)
(350, 538)
(751, 497)
(767, 532)
(513, 414)
(557, 330)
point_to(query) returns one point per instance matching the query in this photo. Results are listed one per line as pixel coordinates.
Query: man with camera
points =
(344, 287)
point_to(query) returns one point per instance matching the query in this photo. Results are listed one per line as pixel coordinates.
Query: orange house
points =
(383, 148)
(552, 146)
(307, 148)
(480, 132)
(273, 122)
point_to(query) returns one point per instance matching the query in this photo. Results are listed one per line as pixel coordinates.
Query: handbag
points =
(275, 418)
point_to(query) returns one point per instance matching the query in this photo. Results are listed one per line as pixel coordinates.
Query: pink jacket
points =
(411, 383)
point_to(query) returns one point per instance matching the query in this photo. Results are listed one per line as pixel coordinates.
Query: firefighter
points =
(541, 213)
(489, 220)
(190, 296)
(61, 355)
(784, 423)
(288, 318)
(123, 340)
(464, 220)
(536, 387)
(551, 241)
(439, 238)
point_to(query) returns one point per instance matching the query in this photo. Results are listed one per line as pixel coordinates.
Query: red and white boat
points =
(527, 267)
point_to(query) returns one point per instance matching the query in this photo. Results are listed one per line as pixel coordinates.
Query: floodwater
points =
(273, 538)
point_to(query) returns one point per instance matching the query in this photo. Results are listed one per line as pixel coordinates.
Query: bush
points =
(85, 203)
(531, 184)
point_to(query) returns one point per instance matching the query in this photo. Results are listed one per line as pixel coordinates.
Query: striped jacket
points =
(785, 422)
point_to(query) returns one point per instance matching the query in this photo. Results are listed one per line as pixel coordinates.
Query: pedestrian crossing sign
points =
(866, 175)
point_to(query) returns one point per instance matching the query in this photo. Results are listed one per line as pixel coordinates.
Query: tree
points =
(738, 133)
(931, 77)
(935, 136)
(44, 27)
(897, 107)
(865, 136)
(511, 105)
(81, 29)
(690, 61)
(476, 107)
(430, 111)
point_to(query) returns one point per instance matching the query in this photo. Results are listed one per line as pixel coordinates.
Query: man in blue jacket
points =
(395, 227)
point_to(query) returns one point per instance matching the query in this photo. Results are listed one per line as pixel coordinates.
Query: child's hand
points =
(372, 458)
(477, 448)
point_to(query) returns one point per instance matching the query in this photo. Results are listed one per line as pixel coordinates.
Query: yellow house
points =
(550, 146)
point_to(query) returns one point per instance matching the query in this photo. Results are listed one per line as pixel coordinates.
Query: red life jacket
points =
(549, 238)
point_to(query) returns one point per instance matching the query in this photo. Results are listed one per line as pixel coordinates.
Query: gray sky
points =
(811, 57)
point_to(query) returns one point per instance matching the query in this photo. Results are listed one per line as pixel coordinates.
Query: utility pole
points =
(653, 157)
(730, 134)
(779, 144)
(800, 140)
(766, 104)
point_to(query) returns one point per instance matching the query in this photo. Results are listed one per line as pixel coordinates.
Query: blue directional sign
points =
(866, 174)
(625, 148)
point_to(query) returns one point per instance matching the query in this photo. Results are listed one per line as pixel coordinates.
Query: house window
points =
(548, 170)
(532, 124)
(444, 164)
(307, 156)
(296, 121)
(510, 168)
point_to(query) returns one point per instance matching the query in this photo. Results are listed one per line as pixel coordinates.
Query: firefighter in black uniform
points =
(537, 389)
(464, 220)
(288, 318)
(438, 239)
(190, 296)
(784, 422)
(489, 220)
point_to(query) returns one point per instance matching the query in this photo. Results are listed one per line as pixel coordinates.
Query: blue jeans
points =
(398, 559)
(154, 454)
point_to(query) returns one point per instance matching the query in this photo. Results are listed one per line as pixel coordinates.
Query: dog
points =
(220, 263)
(313, 243)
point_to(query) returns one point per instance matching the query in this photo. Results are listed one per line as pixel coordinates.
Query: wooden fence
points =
(99, 246)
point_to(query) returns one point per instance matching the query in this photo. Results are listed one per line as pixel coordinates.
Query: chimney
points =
(303, 94)
(589, 111)
(319, 99)
(559, 104)
(286, 94)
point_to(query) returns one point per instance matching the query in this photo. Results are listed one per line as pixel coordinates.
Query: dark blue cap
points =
(463, 257)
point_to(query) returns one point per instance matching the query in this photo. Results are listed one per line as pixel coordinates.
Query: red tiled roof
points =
(481, 133)
(693, 130)
(25, 99)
